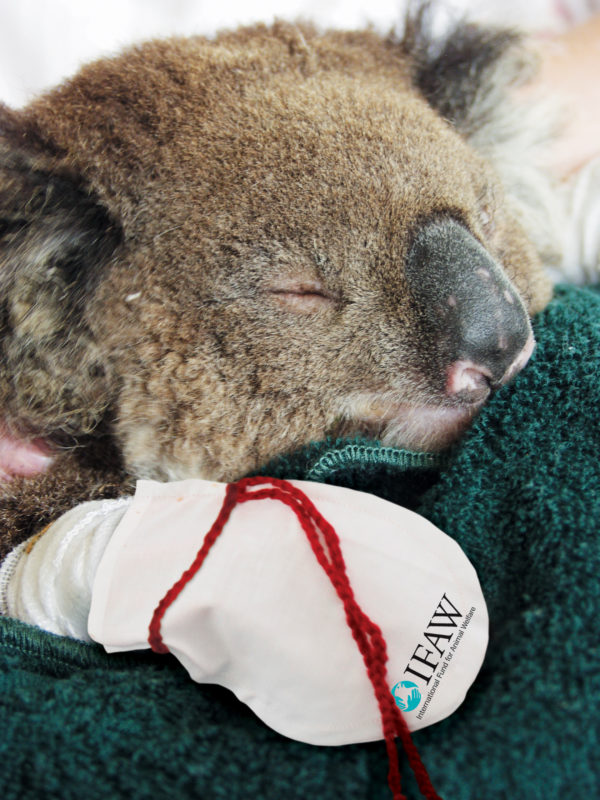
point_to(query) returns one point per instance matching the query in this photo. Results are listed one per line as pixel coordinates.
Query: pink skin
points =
(19, 457)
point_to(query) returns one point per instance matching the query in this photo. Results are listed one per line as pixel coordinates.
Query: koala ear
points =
(468, 76)
(55, 240)
(464, 73)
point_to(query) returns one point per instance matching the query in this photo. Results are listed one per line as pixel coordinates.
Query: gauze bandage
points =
(47, 581)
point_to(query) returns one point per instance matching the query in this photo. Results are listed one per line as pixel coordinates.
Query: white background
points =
(44, 41)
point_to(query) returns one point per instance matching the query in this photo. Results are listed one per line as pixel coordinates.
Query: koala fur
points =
(215, 251)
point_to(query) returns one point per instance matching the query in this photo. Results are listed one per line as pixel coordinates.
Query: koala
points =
(214, 251)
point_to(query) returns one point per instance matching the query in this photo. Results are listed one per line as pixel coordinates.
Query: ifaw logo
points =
(407, 695)
(424, 662)
(427, 654)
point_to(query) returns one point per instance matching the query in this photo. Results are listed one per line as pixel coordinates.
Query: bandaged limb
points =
(264, 614)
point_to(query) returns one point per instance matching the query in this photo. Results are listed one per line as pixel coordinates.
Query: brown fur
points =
(207, 194)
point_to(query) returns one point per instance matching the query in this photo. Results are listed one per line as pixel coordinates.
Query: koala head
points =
(225, 249)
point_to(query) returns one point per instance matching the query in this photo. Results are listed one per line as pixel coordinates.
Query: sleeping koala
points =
(216, 251)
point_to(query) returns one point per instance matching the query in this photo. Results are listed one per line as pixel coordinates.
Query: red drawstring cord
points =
(326, 547)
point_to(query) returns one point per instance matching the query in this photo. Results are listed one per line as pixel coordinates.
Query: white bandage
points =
(47, 581)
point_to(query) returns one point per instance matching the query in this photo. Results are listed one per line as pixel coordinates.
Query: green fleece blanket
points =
(521, 494)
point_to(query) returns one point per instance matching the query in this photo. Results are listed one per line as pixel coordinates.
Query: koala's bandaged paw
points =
(261, 617)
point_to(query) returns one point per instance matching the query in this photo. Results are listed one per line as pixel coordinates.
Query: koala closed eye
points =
(303, 296)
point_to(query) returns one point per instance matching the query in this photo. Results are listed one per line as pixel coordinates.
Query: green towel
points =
(521, 494)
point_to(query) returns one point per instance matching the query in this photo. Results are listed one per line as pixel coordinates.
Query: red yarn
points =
(326, 547)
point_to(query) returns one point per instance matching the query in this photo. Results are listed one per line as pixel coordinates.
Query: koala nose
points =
(471, 379)
(471, 312)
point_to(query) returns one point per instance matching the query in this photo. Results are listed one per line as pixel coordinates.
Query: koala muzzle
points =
(469, 312)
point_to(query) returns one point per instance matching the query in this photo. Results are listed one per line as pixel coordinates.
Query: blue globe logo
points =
(407, 695)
